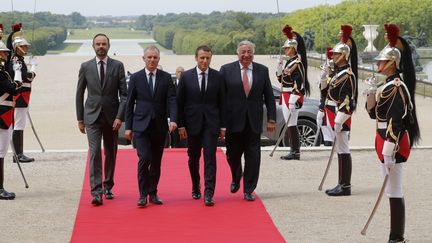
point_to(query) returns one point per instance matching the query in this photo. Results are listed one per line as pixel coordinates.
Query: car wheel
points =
(307, 130)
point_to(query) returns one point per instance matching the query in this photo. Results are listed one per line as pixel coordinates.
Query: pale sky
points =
(139, 7)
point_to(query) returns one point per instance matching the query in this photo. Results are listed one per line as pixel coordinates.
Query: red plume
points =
(1, 26)
(288, 32)
(392, 33)
(329, 52)
(346, 32)
(16, 27)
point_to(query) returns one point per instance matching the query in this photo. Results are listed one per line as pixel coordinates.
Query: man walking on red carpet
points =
(102, 114)
(200, 98)
(151, 95)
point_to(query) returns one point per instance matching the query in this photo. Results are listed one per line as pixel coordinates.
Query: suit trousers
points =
(101, 128)
(207, 140)
(149, 146)
(246, 142)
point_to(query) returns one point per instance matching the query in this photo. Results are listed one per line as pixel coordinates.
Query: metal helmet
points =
(389, 54)
(19, 40)
(342, 48)
(3, 46)
(291, 41)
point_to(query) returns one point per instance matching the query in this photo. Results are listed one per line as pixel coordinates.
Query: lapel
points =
(95, 72)
(108, 69)
(157, 80)
(195, 82)
(146, 83)
(254, 78)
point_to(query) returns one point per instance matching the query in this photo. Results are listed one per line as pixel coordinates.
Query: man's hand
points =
(81, 126)
(222, 134)
(128, 135)
(182, 133)
(389, 163)
(117, 124)
(338, 127)
(271, 126)
(16, 66)
(172, 126)
(371, 86)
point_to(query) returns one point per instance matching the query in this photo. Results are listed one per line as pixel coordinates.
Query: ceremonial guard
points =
(393, 108)
(8, 88)
(294, 86)
(341, 101)
(19, 46)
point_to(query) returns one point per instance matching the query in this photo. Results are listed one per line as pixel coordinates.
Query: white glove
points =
(389, 162)
(371, 86)
(17, 69)
(320, 118)
(325, 71)
(291, 107)
(33, 62)
(338, 127)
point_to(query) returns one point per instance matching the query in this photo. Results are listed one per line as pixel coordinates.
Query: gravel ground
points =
(46, 211)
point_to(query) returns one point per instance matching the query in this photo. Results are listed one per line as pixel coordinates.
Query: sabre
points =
(281, 135)
(328, 165)
(18, 163)
(363, 232)
(34, 131)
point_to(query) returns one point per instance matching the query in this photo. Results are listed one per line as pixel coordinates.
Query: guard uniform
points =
(17, 43)
(393, 108)
(8, 88)
(340, 103)
(294, 86)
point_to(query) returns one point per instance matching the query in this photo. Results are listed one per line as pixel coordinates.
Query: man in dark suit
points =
(151, 95)
(247, 87)
(200, 98)
(102, 115)
(176, 142)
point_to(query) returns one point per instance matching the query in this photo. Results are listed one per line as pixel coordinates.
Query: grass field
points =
(144, 45)
(112, 33)
(68, 47)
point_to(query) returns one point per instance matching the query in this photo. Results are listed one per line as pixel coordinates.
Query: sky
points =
(140, 7)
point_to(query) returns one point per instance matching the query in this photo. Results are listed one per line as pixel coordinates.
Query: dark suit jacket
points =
(193, 108)
(111, 97)
(141, 106)
(239, 108)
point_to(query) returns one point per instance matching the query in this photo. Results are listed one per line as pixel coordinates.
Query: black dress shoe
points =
(208, 201)
(97, 200)
(291, 156)
(340, 190)
(155, 199)
(108, 194)
(249, 197)
(23, 159)
(234, 187)
(196, 195)
(142, 202)
(5, 195)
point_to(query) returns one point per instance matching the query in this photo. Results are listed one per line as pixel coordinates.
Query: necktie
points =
(203, 84)
(151, 83)
(245, 79)
(102, 72)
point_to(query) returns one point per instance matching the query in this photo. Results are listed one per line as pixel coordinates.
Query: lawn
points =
(69, 47)
(112, 33)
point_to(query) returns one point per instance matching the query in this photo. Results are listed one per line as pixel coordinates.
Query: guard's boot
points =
(397, 220)
(337, 187)
(4, 195)
(295, 144)
(18, 143)
(344, 188)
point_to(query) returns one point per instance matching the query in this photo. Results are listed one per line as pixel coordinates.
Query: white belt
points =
(382, 125)
(331, 103)
(27, 85)
(7, 103)
(287, 89)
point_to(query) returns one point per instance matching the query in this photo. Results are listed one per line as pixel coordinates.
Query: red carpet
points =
(180, 219)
